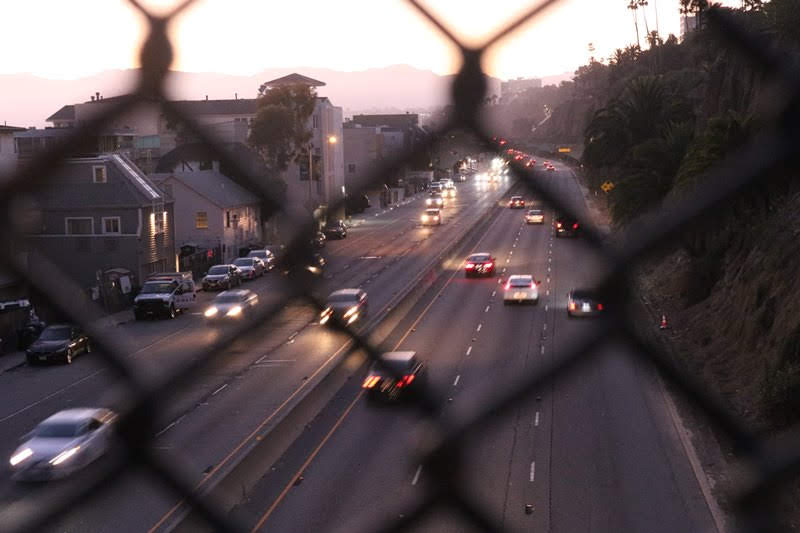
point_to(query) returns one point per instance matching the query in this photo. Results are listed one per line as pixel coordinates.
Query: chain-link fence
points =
(772, 149)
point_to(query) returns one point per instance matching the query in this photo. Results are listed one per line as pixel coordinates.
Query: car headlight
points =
(325, 315)
(235, 311)
(435, 219)
(428, 201)
(424, 218)
(211, 311)
(352, 318)
(63, 456)
(350, 312)
(313, 269)
(20, 456)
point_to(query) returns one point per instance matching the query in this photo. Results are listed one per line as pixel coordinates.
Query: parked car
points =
(356, 204)
(63, 443)
(231, 304)
(164, 296)
(266, 256)
(318, 240)
(347, 305)
(335, 229)
(60, 342)
(397, 374)
(222, 277)
(251, 267)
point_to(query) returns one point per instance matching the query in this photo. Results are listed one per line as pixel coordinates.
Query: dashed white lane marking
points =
(548, 269)
(544, 326)
(514, 245)
(499, 281)
(548, 292)
(504, 271)
(511, 252)
(493, 293)
(542, 350)
(456, 381)
(533, 471)
(416, 475)
(479, 327)
(508, 260)
(219, 389)
(545, 308)
(549, 259)
(486, 310)
(469, 350)
(548, 279)
(536, 420)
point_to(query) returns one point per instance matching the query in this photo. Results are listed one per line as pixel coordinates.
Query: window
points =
(111, 225)
(227, 219)
(235, 221)
(160, 221)
(351, 168)
(99, 173)
(79, 225)
(315, 121)
(201, 220)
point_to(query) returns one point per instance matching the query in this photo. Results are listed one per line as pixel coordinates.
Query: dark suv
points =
(567, 226)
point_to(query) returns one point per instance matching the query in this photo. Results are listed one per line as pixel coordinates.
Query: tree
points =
(280, 131)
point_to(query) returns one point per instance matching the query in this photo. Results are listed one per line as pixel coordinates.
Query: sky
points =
(73, 39)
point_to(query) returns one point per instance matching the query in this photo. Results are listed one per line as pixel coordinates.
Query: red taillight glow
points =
(572, 306)
(599, 307)
(470, 265)
(370, 382)
(575, 226)
(406, 381)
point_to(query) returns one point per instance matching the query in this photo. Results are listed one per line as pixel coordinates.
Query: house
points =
(97, 217)
(8, 152)
(365, 148)
(212, 212)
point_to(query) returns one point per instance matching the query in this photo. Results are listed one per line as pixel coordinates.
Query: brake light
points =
(470, 265)
(370, 382)
(572, 306)
(575, 226)
(599, 307)
(558, 224)
(406, 381)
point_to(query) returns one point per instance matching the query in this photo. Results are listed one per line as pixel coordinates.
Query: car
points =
(431, 217)
(436, 187)
(435, 200)
(63, 443)
(550, 168)
(317, 264)
(266, 256)
(251, 267)
(347, 305)
(567, 226)
(222, 276)
(165, 295)
(231, 304)
(335, 229)
(521, 288)
(534, 216)
(61, 342)
(479, 264)
(516, 202)
(449, 192)
(584, 302)
(394, 375)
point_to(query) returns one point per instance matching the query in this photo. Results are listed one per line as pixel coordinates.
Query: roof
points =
(74, 415)
(240, 106)
(215, 187)
(46, 132)
(294, 79)
(346, 292)
(10, 129)
(405, 120)
(398, 356)
(67, 112)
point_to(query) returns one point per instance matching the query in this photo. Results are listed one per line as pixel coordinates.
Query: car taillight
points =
(489, 264)
(406, 381)
(599, 307)
(575, 226)
(533, 285)
(470, 265)
(572, 306)
(370, 382)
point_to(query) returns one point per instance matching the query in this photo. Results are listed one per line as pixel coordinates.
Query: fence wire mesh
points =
(444, 457)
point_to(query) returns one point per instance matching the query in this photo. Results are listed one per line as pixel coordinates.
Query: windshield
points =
(244, 262)
(479, 257)
(582, 294)
(521, 282)
(535, 212)
(258, 253)
(157, 288)
(342, 298)
(395, 366)
(433, 212)
(218, 270)
(227, 298)
(58, 430)
(55, 333)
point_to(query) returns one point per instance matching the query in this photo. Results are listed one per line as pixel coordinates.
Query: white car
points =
(431, 217)
(534, 216)
(521, 289)
(232, 304)
(63, 443)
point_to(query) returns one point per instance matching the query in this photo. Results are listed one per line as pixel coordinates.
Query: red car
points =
(480, 264)
(516, 202)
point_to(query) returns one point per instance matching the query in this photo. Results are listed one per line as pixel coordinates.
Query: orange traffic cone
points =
(663, 324)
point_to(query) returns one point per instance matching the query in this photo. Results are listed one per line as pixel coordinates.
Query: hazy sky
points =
(76, 38)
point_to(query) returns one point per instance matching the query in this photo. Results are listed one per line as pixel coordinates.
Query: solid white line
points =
(416, 476)
(536, 420)
(170, 426)
(456, 381)
(469, 350)
(479, 327)
(533, 471)
(486, 310)
(219, 389)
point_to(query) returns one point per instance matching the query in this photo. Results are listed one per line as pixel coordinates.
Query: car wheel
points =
(68, 356)
(172, 312)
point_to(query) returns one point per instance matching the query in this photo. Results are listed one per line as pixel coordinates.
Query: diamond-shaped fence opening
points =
(443, 458)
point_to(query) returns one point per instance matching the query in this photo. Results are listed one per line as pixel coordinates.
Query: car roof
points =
(534, 210)
(583, 293)
(76, 414)
(61, 326)
(234, 292)
(520, 276)
(346, 292)
(480, 253)
(398, 356)
(516, 197)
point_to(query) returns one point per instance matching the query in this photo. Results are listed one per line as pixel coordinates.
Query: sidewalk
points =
(12, 360)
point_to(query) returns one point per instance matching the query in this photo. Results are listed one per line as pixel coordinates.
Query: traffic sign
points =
(607, 186)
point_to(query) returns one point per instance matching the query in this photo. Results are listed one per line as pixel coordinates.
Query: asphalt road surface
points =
(595, 451)
(208, 423)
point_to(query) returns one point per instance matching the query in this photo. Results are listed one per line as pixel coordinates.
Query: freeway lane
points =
(595, 451)
(232, 398)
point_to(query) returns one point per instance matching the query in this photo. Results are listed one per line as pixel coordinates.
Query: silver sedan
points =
(63, 443)
(232, 304)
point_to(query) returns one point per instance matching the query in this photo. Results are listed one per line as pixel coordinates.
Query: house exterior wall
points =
(361, 153)
(8, 154)
(142, 119)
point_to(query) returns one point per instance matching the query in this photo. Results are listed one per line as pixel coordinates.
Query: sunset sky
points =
(67, 40)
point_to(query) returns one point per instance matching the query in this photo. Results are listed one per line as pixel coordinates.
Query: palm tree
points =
(643, 5)
(633, 5)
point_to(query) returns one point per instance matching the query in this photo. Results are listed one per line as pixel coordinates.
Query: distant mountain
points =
(28, 100)
(557, 79)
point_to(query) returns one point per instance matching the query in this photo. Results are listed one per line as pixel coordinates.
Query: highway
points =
(253, 382)
(596, 451)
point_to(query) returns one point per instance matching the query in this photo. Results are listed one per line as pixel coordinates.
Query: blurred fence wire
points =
(137, 432)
